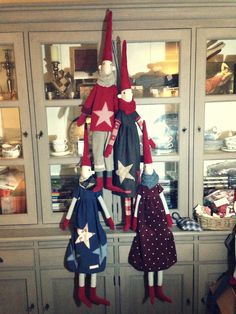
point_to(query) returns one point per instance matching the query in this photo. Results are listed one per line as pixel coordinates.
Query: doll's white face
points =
(148, 169)
(126, 95)
(106, 67)
(86, 172)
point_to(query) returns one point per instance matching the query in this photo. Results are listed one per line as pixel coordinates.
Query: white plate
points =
(58, 154)
(228, 150)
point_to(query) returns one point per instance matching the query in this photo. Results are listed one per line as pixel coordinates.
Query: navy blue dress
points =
(87, 249)
(127, 154)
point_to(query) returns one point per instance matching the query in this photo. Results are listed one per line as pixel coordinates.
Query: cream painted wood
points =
(58, 288)
(22, 103)
(177, 284)
(16, 258)
(18, 292)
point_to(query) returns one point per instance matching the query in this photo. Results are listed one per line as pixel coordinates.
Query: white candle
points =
(54, 53)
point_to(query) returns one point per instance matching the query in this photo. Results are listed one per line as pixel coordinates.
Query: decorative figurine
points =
(153, 248)
(125, 140)
(87, 249)
(101, 105)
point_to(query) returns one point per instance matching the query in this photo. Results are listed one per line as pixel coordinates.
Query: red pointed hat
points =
(107, 52)
(125, 82)
(86, 155)
(147, 156)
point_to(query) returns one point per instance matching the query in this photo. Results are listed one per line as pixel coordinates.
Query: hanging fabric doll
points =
(126, 142)
(153, 248)
(101, 105)
(86, 252)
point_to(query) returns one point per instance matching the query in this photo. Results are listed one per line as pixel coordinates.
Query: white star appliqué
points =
(84, 235)
(104, 115)
(123, 172)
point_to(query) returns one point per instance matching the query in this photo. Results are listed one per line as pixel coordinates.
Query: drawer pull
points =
(46, 307)
(1, 260)
(30, 308)
(188, 302)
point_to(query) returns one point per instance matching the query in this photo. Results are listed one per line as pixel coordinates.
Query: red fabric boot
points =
(83, 298)
(99, 184)
(160, 294)
(111, 187)
(151, 293)
(97, 300)
(127, 222)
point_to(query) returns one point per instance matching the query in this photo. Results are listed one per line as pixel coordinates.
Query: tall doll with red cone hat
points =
(125, 140)
(102, 105)
(153, 248)
(87, 249)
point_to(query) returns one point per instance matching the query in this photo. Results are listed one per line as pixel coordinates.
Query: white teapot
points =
(11, 150)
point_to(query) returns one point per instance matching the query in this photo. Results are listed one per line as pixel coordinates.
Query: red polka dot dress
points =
(153, 247)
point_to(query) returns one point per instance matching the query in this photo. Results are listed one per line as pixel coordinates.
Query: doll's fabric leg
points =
(127, 213)
(93, 296)
(151, 291)
(99, 182)
(158, 289)
(81, 291)
(109, 185)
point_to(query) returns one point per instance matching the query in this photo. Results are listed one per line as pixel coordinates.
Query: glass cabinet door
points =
(65, 68)
(17, 184)
(159, 70)
(215, 128)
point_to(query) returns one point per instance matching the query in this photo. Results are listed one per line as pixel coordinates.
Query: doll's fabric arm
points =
(66, 220)
(140, 124)
(106, 213)
(168, 216)
(87, 107)
(135, 218)
(112, 139)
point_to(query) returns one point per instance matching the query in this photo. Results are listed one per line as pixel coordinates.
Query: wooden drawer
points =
(55, 256)
(212, 252)
(16, 258)
(184, 252)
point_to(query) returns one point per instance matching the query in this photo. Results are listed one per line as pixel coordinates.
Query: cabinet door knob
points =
(1, 260)
(39, 135)
(25, 134)
(30, 308)
(184, 129)
(188, 302)
(199, 129)
(46, 307)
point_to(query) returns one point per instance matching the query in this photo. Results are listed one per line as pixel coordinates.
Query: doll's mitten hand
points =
(152, 143)
(65, 224)
(169, 220)
(108, 150)
(82, 119)
(135, 223)
(111, 223)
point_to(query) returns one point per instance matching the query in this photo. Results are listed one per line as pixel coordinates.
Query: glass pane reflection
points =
(12, 190)
(70, 70)
(162, 125)
(154, 68)
(220, 133)
(168, 173)
(8, 84)
(63, 182)
(10, 133)
(221, 67)
(220, 178)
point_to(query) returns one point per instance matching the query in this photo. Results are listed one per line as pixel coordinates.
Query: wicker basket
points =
(212, 223)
